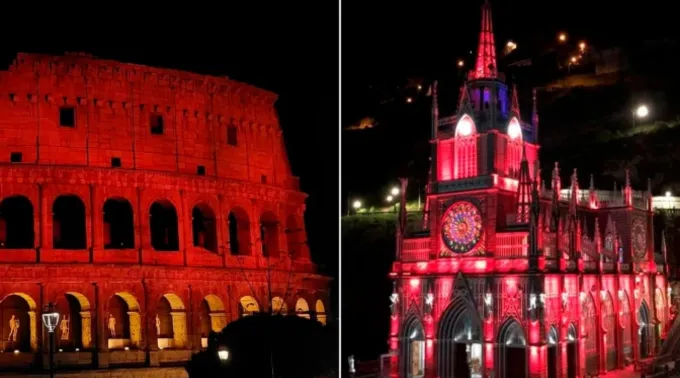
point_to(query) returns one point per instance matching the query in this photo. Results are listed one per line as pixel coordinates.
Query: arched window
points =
(320, 312)
(239, 232)
(248, 306)
(465, 149)
(163, 225)
(609, 325)
(514, 147)
(279, 307)
(119, 228)
(269, 234)
(16, 223)
(204, 227)
(592, 337)
(302, 308)
(74, 330)
(68, 223)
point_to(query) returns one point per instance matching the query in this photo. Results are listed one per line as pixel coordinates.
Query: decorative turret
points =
(524, 190)
(664, 252)
(628, 191)
(556, 187)
(574, 227)
(514, 102)
(485, 66)
(534, 113)
(573, 200)
(593, 201)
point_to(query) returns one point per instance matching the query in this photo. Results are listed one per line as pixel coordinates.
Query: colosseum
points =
(152, 206)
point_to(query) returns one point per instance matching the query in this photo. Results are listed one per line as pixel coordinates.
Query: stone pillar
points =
(218, 320)
(135, 329)
(95, 223)
(86, 329)
(34, 330)
(179, 329)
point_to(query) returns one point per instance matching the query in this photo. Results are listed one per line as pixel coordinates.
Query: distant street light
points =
(460, 63)
(562, 37)
(357, 204)
(395, 191)
(668, 193)
(223, 354)
(389, 198)
(582, 46)
(642, 111)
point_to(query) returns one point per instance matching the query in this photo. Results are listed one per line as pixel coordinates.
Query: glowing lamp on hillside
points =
(357, 204)
(574, 59)
(394, 191)
(642, 111)
(668, 193)
(582, 46)
(389, 198)
(562, 37)
(223, 354)
(460, 63)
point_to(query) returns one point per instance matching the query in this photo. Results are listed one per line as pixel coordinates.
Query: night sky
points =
(389, 49)
(290, 49)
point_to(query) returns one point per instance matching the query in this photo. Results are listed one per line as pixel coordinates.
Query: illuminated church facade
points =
(509, 277)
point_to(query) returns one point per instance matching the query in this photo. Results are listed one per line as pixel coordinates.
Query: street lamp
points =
(223, 354)
(642, 111)
(50, 318)
(394, 191)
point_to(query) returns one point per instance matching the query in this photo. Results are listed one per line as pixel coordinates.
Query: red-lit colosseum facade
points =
(150, 205)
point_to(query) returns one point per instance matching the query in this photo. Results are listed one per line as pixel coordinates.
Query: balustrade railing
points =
(512, 244)
(415, 250)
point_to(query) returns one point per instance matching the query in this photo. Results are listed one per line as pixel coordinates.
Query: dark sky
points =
(276, 46)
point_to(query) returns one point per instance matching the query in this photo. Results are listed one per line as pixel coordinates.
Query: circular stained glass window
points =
(462, 227)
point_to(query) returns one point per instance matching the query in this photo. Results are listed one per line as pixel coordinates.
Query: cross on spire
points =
(485, 66)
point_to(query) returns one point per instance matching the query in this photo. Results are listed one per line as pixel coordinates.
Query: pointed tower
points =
(556, 187)
(485, 66)
(593, 201)
(524, 189)
(514, 102)
(573, 219)
(628, 190)
(534, 113)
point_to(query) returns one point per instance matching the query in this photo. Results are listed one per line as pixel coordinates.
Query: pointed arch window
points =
(465, 149)
(514, 150)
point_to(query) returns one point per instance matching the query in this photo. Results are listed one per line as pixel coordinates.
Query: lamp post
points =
(50, 318)
(223, 354)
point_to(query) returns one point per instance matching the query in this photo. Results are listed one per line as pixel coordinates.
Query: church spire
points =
(435, 110)
(534, 113)
(485, 67)
(514, 101)
(556, 187)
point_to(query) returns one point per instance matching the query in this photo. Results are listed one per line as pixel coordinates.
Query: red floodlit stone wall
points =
(114, 107)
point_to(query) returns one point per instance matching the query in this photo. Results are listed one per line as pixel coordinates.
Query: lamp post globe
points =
(50, 318)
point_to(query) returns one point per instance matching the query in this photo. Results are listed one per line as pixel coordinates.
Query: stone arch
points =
(626, 326)
(74, 330)
(460, 339)
(239, 231)
(248, 306)
(171, 322)
(609, 328)
(321, 312)
(68, 222)
(279, 306)
(163, 225)
(269, 234)
(302, 308)
(16, 223)
(119, 225)
(294, 237)
(413, 348)
(123, 323)
(660, 306)
(589, 319)
(18, 311)
(212, 317)
(204, 227)
(512, 359)
(644, 326)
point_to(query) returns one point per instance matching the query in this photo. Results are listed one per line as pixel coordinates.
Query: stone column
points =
(86, 329)
(135, 329)
(218, 320)
(179, 329)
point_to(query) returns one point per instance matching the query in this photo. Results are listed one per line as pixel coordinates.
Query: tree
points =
(269, 346)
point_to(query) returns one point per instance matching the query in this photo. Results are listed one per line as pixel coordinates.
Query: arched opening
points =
(16, 223)
(18, 320)
(320, 312)
(413, 348)
(660, 306)
(553, 339)
(163, 225)
(68, 223)
(170, 322)
(119, 228)
(279, 307)
(204, 227)
(514, 147)
(643, 331)
(269, 234)
(572, 345)
(460, 341)
(248, 306)
(465, 149)
(590, 332)
(294, 236)
(627, 327)
(212, 317)
(302, 308)
(609, 326)
(123, 322)
(512, 350)
(239, 232)
(74, 329)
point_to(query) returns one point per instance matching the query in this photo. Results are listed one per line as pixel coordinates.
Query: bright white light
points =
(127, 348)
(429, 299)
(668, 193)
(514, 129)
(389, 198)
(223, 354)
(414, 334)
(642, 111)
(465, 126)
(394, 191)
(357, 204)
